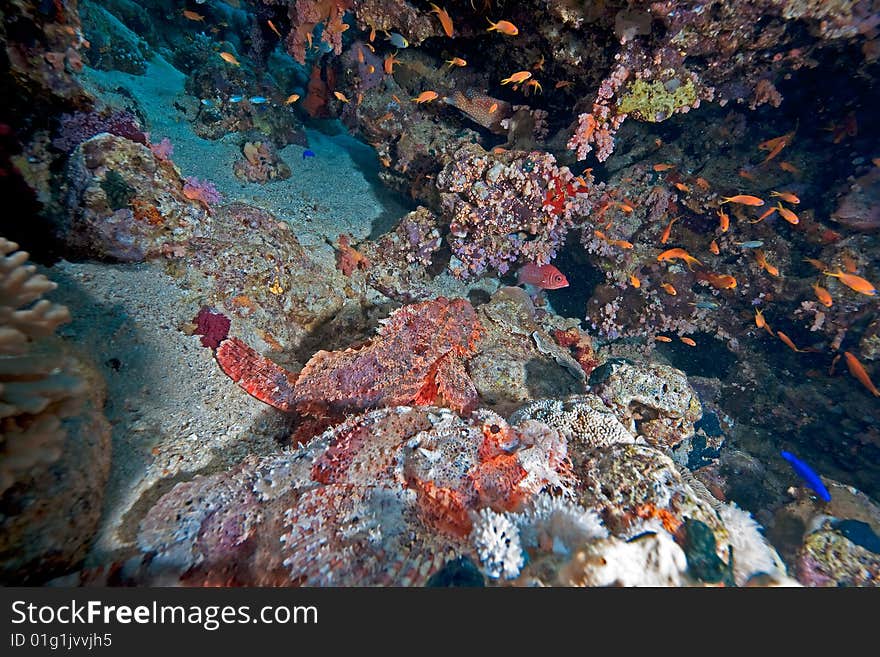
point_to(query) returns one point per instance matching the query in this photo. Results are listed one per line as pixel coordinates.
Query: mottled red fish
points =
(547, 277)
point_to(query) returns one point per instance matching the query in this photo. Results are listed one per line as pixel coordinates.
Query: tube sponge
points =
(34, 392)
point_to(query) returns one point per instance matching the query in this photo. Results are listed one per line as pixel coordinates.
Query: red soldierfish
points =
(547, 277)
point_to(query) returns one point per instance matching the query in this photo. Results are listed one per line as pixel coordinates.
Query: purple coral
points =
(77, 127)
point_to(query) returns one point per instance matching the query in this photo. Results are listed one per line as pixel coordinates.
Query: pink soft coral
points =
(202, 191)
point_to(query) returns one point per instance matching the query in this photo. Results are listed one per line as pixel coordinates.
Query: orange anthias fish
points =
(274, 29)
(723, 220)
(858, 371)
(787, 341)
(761, 259)
(445, 20)
(193, 16)
(668, 231)
(775, 145)
(567, 83)
(688, 341)
(760, 322)
(788, 215)
(229, 58)
(456, 61)
(682, 187)
(818, 264)
(678, 254)
(789, 168)
(388, 64)
(292, 98)
(849, 263)
(341, 96)
(766, 214)
(702, 183)
(425, 97)
(505, 27)
(669, 288)
(857, 283)
(546, 277)
(743, 199)
(662, 338)
(634, 281)
(713, 247)
(663, 167)
(718, 281)
(519, 76)
(823, 295)
(788, 197)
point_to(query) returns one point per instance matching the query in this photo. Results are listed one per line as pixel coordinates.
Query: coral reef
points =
(507, 208)
(54, 443)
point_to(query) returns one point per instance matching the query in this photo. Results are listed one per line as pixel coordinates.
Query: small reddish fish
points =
(760, 322)
(668, 231)
(425, 97)
(546, 277)
(445, 20)
(766, 214)
(229, 58)
(854, 282)
(743, 199)
(788, 167)
(634, 281)
(720, 281)
(761, 259)
(516, 78)
(688, 341)
(341, 96)
(567, 83)
(823, 295)
(274, 29)
(723, 220)
(456, 61)
(713, 247)
(849, 263)
(788, 342)
(670, 289)
(505, 27)
(663, 167)
(388, 64)
(858, 371)
(788, 215)
(788, 197)
(703, 184)
(662, 338)
(193, 16)
(292, 98)
(682, 187)
(678, 254)
(818, 264)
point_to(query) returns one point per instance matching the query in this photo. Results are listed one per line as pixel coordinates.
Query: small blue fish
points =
(706, 305)
(397, 40)
(308, 153)
(806, 473)
(235, 99)
(753, 244)
(256, 100)
(206, 102)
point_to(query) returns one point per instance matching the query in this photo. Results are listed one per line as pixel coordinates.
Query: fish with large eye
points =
(546, 277)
